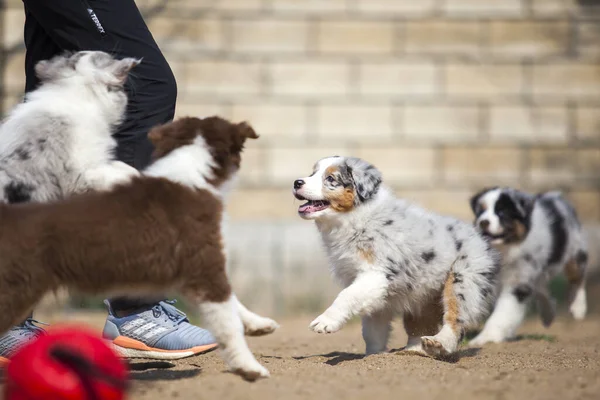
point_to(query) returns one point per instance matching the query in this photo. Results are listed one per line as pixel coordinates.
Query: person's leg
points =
(39, 46)
(152, 93)
(117, 27)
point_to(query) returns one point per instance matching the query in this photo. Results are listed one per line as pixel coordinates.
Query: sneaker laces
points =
(167, 308)
(29, 329)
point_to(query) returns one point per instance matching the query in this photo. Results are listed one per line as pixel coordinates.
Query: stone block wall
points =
(444, 96)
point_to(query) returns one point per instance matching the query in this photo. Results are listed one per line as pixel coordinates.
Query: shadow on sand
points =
(452, 359)
(161, 371)
(337, 357)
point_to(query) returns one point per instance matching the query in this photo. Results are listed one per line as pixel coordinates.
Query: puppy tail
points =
(475, 287)
(547, 308)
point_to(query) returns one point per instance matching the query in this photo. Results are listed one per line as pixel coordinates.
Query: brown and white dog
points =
(160, 232)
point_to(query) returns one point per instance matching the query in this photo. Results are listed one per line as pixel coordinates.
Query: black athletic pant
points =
(116, 27)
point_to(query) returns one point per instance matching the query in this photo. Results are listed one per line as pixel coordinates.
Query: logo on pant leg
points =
(96, 21)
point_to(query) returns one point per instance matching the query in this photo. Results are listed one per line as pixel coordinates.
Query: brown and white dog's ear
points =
(160, 142)
(156, 134)
(246, 131)
(170, 136)
(240, 134)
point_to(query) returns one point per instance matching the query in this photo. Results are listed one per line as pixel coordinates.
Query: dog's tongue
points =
(312, 206)
(306, 208)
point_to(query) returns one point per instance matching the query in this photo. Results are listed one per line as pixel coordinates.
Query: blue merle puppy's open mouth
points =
(311, 206)
(489, 236)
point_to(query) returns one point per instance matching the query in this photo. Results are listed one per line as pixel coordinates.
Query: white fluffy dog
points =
(59, 141)
(394, 257)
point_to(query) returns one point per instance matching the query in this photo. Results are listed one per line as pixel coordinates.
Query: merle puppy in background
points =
(59, 141)
(539, 236)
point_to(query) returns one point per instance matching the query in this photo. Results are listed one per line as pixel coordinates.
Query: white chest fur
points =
(343, 260)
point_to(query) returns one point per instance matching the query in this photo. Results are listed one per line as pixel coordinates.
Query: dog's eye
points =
(500, 214)
(114, 88)
(330, 179)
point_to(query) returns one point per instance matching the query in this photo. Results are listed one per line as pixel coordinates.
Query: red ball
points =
(68, 363)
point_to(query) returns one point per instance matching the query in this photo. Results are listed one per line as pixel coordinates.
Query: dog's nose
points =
(484, 224)
(298, 183)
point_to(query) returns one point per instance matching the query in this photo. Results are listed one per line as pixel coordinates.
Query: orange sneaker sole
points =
(131, 348)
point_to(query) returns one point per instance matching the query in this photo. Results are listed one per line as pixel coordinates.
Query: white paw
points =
(125, 168)
(578, 311)
(110, 175)
(414, 346)
(578, 308)
(436, 347)
(480, 340)
(124, 172)
(260, 326)
(375, 350)
(251, 371)
(325, 324)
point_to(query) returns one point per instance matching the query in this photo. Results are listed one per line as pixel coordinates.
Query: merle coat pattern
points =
(394, 257)
(539, 237)
(59, 141)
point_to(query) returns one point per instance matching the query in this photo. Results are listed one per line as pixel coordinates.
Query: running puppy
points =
(59, 141)
(92, 242)
(538, 237)
(393, 257)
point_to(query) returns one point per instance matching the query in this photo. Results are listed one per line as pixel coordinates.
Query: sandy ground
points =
(560, 363)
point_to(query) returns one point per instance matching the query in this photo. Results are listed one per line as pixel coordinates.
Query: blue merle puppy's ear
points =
(475, 198)
(54, 68)
(366, 177)
(121, 68)
(73, 58)
(524, 202)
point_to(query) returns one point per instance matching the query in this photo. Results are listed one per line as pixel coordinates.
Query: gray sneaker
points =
(17, 337)
(160, 332)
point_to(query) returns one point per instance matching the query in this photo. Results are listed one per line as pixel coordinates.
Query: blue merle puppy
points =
(393, 257)
(539, 236)
(59, 141)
